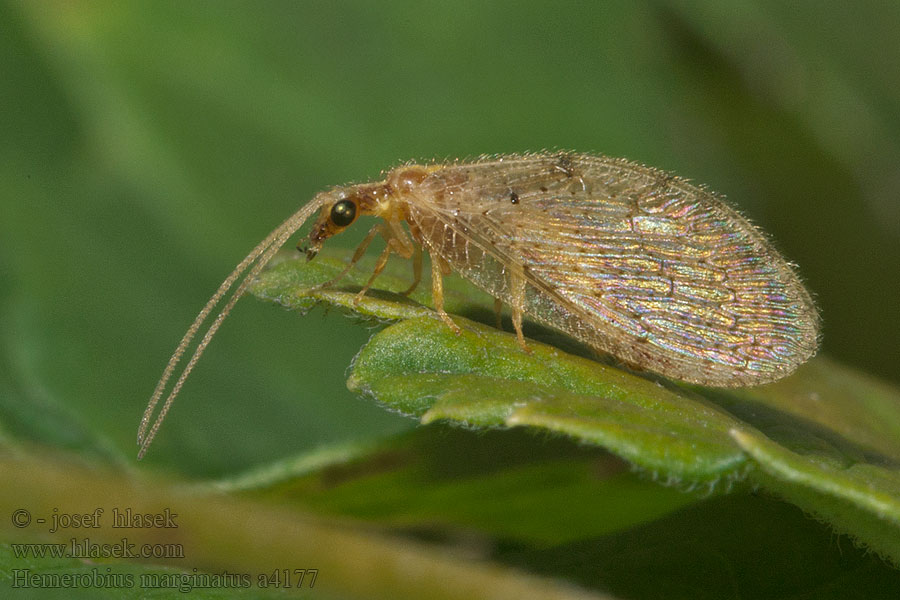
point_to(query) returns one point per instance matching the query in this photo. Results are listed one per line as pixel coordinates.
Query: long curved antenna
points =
(260, 255)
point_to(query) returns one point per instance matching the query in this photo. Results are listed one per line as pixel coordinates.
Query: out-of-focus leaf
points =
(212, 534)
(510, 485)
(572, 511)
(735, 546)
(859, 408)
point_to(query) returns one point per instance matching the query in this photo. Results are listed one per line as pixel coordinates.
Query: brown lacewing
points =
(632, 261)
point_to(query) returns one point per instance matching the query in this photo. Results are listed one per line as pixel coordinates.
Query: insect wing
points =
(632, 261)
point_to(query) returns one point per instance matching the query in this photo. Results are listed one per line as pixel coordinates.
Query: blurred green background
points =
(146, 147)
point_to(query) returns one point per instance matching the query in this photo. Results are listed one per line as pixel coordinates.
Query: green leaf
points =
(689, 435)
(483, 378)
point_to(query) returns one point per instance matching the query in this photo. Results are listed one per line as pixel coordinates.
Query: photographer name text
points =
(117, 518)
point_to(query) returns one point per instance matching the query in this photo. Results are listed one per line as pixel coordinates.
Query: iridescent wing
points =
(630, 260)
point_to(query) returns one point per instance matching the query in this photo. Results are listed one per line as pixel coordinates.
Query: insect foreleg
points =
(437, 291)
(357, 255)
(397, 242)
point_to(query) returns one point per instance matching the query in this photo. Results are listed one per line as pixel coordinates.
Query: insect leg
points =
(437, 292)
(417, 271)
(411, 250)
(379, 267)
(397, 242)
(357, 255)
(517, 303)
(403, 246)
(498, 312)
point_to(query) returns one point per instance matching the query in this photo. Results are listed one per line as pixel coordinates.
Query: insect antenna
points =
(255, 261)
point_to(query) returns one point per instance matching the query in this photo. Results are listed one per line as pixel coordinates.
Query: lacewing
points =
(634, 262)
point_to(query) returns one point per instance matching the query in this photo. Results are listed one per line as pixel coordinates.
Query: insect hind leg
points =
(417, 272)
(517, 304)
(437, 292)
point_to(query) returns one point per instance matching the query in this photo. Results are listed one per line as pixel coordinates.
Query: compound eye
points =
(343, 213)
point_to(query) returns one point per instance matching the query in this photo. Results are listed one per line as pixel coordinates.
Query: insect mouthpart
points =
(309, 252)
(320, 232)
